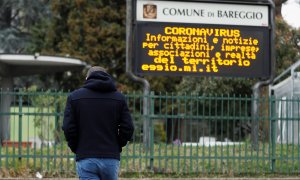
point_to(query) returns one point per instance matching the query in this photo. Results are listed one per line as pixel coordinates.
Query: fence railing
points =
(190, 134)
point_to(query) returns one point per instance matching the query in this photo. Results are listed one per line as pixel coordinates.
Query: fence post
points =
(151, 130)
(273, 133)
(20, 126)
(146, 121)
(57, 109)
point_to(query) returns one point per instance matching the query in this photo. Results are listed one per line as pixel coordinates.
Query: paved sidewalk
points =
(283, 178)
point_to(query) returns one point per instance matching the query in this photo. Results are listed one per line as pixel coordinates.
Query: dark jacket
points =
(97, 122)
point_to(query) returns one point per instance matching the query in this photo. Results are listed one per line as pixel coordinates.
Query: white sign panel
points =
(202, 13)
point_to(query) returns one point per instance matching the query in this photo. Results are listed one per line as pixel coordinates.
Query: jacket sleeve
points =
(126, 127)
(70, 127)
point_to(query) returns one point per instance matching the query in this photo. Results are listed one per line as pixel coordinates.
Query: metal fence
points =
(187, 134)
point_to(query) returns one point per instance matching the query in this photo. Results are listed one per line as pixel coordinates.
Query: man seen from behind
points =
(97, 124)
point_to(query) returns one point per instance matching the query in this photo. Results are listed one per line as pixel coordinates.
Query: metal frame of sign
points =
(162, 46)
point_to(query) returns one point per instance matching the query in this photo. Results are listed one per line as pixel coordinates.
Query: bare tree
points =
(278, 7)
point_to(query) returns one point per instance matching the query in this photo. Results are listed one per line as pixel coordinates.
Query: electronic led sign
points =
(192, 38)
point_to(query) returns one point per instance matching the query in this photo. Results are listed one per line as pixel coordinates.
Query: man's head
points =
(94, 69)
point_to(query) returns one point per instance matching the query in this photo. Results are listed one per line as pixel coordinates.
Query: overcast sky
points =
(291, 12)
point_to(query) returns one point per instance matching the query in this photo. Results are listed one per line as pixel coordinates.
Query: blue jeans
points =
(98, 168)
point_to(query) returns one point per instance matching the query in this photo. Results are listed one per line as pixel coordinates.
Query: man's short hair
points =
(94, 69)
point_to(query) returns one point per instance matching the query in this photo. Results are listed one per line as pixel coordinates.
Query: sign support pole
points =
(258, 85)
(146, 84)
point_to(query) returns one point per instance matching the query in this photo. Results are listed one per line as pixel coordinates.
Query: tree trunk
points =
(278, 7)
